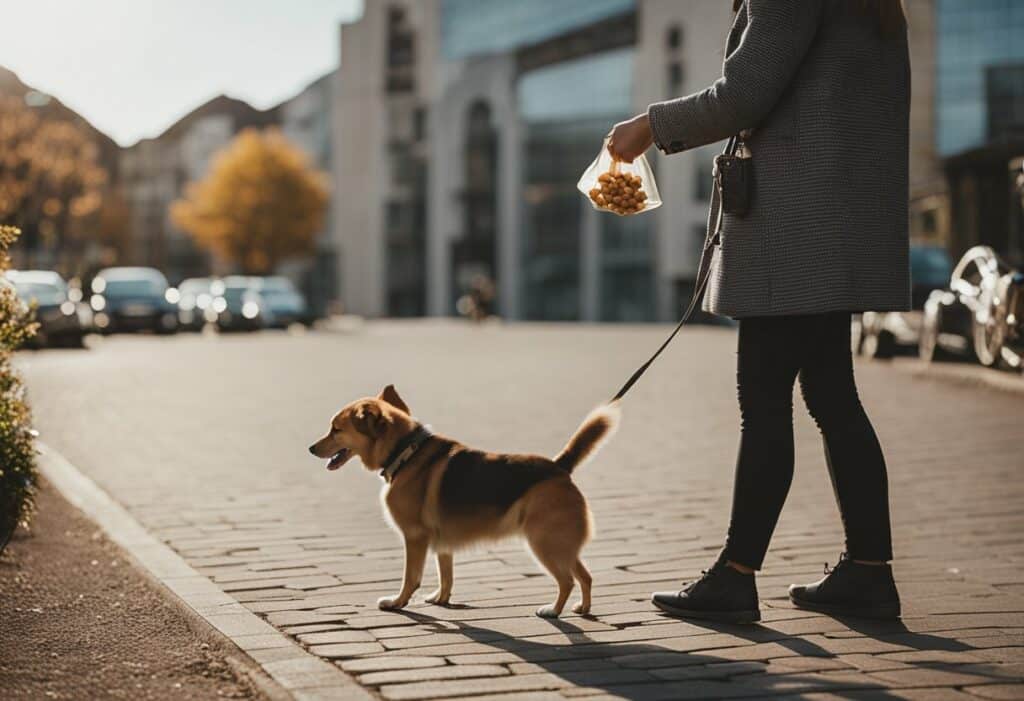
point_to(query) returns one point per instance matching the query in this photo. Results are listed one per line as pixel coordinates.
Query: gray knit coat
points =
(828, 100)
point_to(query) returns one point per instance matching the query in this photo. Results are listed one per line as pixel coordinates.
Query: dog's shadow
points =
(647, 670)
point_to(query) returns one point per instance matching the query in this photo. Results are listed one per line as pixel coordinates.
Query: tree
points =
(51, 181)
(17, 440)
(260, 203)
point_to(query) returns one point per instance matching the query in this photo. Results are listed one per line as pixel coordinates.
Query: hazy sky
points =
(133, 67)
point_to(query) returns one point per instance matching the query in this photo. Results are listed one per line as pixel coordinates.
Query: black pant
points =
(772, 352)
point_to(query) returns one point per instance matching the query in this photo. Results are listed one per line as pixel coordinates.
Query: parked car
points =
(283, 304)
(885, 334)
(63, 321)
(201, 301)
(980, 315)
(244, 309)
(133, 299)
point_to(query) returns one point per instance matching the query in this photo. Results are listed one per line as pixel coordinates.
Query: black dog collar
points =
(404, 450)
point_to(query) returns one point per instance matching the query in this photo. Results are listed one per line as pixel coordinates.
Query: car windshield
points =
(930, 265)
(40, 291)
(277, 286)
(234, 293)
(129, 287)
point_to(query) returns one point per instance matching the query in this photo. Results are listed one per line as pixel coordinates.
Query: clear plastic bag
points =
(621, 188)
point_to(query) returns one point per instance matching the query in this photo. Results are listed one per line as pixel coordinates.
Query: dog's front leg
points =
(445, 577)
(415, 557)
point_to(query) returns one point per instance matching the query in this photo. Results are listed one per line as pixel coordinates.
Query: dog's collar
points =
(404, 450)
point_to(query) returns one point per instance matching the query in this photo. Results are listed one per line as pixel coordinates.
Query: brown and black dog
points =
(442, 495)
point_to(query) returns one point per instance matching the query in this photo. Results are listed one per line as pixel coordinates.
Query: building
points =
(461, 127)
(154, 172)
(979, 116)
(305, 121)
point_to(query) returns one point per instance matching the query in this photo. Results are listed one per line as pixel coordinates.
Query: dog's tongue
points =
(337, 459)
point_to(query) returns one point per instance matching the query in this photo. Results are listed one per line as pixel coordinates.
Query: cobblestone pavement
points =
(204, 440)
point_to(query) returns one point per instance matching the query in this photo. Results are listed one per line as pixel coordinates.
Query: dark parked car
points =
(62, 320)
(884, 334)
(283, 304)
(133, 299)
(243, 307)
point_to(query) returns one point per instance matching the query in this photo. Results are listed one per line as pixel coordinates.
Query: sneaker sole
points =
(751, 616)
(878, 612)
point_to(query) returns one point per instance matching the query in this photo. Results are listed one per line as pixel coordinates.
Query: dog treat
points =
(617, 192)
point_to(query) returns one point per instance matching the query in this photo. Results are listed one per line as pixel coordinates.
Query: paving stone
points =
(341, 650)
(447, 672)
(997, 691)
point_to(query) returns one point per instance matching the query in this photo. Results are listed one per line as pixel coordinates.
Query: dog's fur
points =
(448, 496)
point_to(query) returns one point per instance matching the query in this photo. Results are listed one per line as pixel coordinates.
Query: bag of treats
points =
(622, 188)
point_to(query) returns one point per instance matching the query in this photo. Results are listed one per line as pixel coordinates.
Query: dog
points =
(443, 496)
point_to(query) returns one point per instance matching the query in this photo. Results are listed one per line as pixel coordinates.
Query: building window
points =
(419, 124)
(674, 37)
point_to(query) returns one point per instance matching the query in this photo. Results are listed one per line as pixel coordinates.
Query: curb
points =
(276, 665)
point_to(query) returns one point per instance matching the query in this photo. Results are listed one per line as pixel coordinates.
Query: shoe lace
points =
(843, 559)
(705, 575)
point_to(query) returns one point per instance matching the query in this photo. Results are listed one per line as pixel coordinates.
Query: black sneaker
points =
(721, 594)
(851, 589)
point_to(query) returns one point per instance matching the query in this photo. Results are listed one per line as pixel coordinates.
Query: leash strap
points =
(703, 273)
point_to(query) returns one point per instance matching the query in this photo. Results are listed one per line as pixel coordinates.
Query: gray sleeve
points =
(755, 74)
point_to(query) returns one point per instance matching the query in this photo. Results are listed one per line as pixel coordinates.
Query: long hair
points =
(888, 14)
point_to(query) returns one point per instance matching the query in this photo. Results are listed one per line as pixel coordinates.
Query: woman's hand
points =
(630, 139)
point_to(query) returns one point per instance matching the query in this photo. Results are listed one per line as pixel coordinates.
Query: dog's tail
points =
(589, 437)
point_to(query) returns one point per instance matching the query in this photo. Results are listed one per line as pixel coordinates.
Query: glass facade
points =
(980, 72)
(567, 108)
(470, 27)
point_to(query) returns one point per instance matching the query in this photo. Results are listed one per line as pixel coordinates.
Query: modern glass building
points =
(567, 109)
(573, 79)
(470, 27)
(980, 73)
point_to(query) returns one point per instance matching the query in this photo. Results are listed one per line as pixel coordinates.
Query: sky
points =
(134, 67)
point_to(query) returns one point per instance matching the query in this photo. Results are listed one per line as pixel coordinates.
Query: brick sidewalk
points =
(203, 440)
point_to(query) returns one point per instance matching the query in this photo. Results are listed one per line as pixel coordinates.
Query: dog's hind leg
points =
(552, 552)
(445, 576)
(579, 571)
(415, 557)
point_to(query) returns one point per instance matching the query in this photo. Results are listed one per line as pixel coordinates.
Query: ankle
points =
(742, 569)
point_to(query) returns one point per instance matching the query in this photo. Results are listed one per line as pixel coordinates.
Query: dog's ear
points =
(390, 395)
(368, 419)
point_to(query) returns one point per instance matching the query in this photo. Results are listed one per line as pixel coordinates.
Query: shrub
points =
(17, 449)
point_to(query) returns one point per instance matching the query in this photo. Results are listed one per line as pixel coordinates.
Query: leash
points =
(703, 273)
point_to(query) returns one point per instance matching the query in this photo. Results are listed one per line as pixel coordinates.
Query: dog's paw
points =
(548, 612)
(581, 609)
(386, 603)
(437, 599)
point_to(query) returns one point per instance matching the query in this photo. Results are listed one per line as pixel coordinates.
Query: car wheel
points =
(989, 333)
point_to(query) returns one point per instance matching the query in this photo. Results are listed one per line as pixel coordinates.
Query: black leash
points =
(703, 273)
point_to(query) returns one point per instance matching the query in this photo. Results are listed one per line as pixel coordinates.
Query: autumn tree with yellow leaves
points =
(260, 203)
(51, 181)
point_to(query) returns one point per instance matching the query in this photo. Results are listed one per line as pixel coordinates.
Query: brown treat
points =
(604, 177)
(627, 191)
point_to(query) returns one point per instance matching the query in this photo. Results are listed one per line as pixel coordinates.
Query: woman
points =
(821, 91)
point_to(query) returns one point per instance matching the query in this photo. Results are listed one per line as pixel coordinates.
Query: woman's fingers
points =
(630, 139)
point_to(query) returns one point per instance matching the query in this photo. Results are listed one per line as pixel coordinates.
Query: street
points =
(203, 439)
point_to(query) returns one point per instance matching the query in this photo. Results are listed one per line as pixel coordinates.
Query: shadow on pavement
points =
(648, 671)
